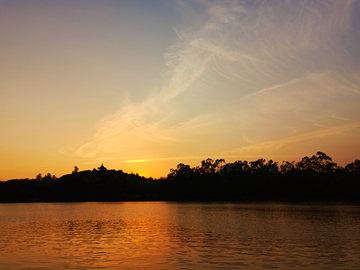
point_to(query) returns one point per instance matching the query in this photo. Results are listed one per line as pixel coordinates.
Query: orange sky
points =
(142, 86)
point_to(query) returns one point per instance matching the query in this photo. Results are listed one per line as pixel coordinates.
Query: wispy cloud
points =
(241, 68)
(165, 159)
(277, 86)
(277, 144)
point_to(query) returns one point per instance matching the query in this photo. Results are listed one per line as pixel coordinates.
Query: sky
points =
(144, 85)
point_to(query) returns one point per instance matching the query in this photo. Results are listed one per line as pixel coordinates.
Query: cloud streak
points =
(277, 144)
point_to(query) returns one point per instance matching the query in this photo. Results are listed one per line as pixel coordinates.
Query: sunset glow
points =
(144, 85)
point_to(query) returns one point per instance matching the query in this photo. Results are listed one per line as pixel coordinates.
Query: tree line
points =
(315, 178)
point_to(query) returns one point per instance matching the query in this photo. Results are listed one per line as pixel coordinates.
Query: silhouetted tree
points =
(257, 164)
(237, 166)
(317, 163)
(181, 170)
(287, 167)
(209, 166)
(353, 167)
(76, 170)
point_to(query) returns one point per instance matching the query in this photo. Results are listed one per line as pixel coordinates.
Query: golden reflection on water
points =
(178, 236)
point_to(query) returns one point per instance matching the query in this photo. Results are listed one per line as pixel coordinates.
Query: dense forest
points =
(315, 178)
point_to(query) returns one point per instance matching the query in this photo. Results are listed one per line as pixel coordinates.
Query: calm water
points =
(160, 235)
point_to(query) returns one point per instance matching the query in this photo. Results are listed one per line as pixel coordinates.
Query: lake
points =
(170, 235)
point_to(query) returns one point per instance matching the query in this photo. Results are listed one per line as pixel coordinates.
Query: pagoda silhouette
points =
(102, 168)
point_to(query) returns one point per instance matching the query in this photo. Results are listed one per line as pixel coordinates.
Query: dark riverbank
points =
(312, 179)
